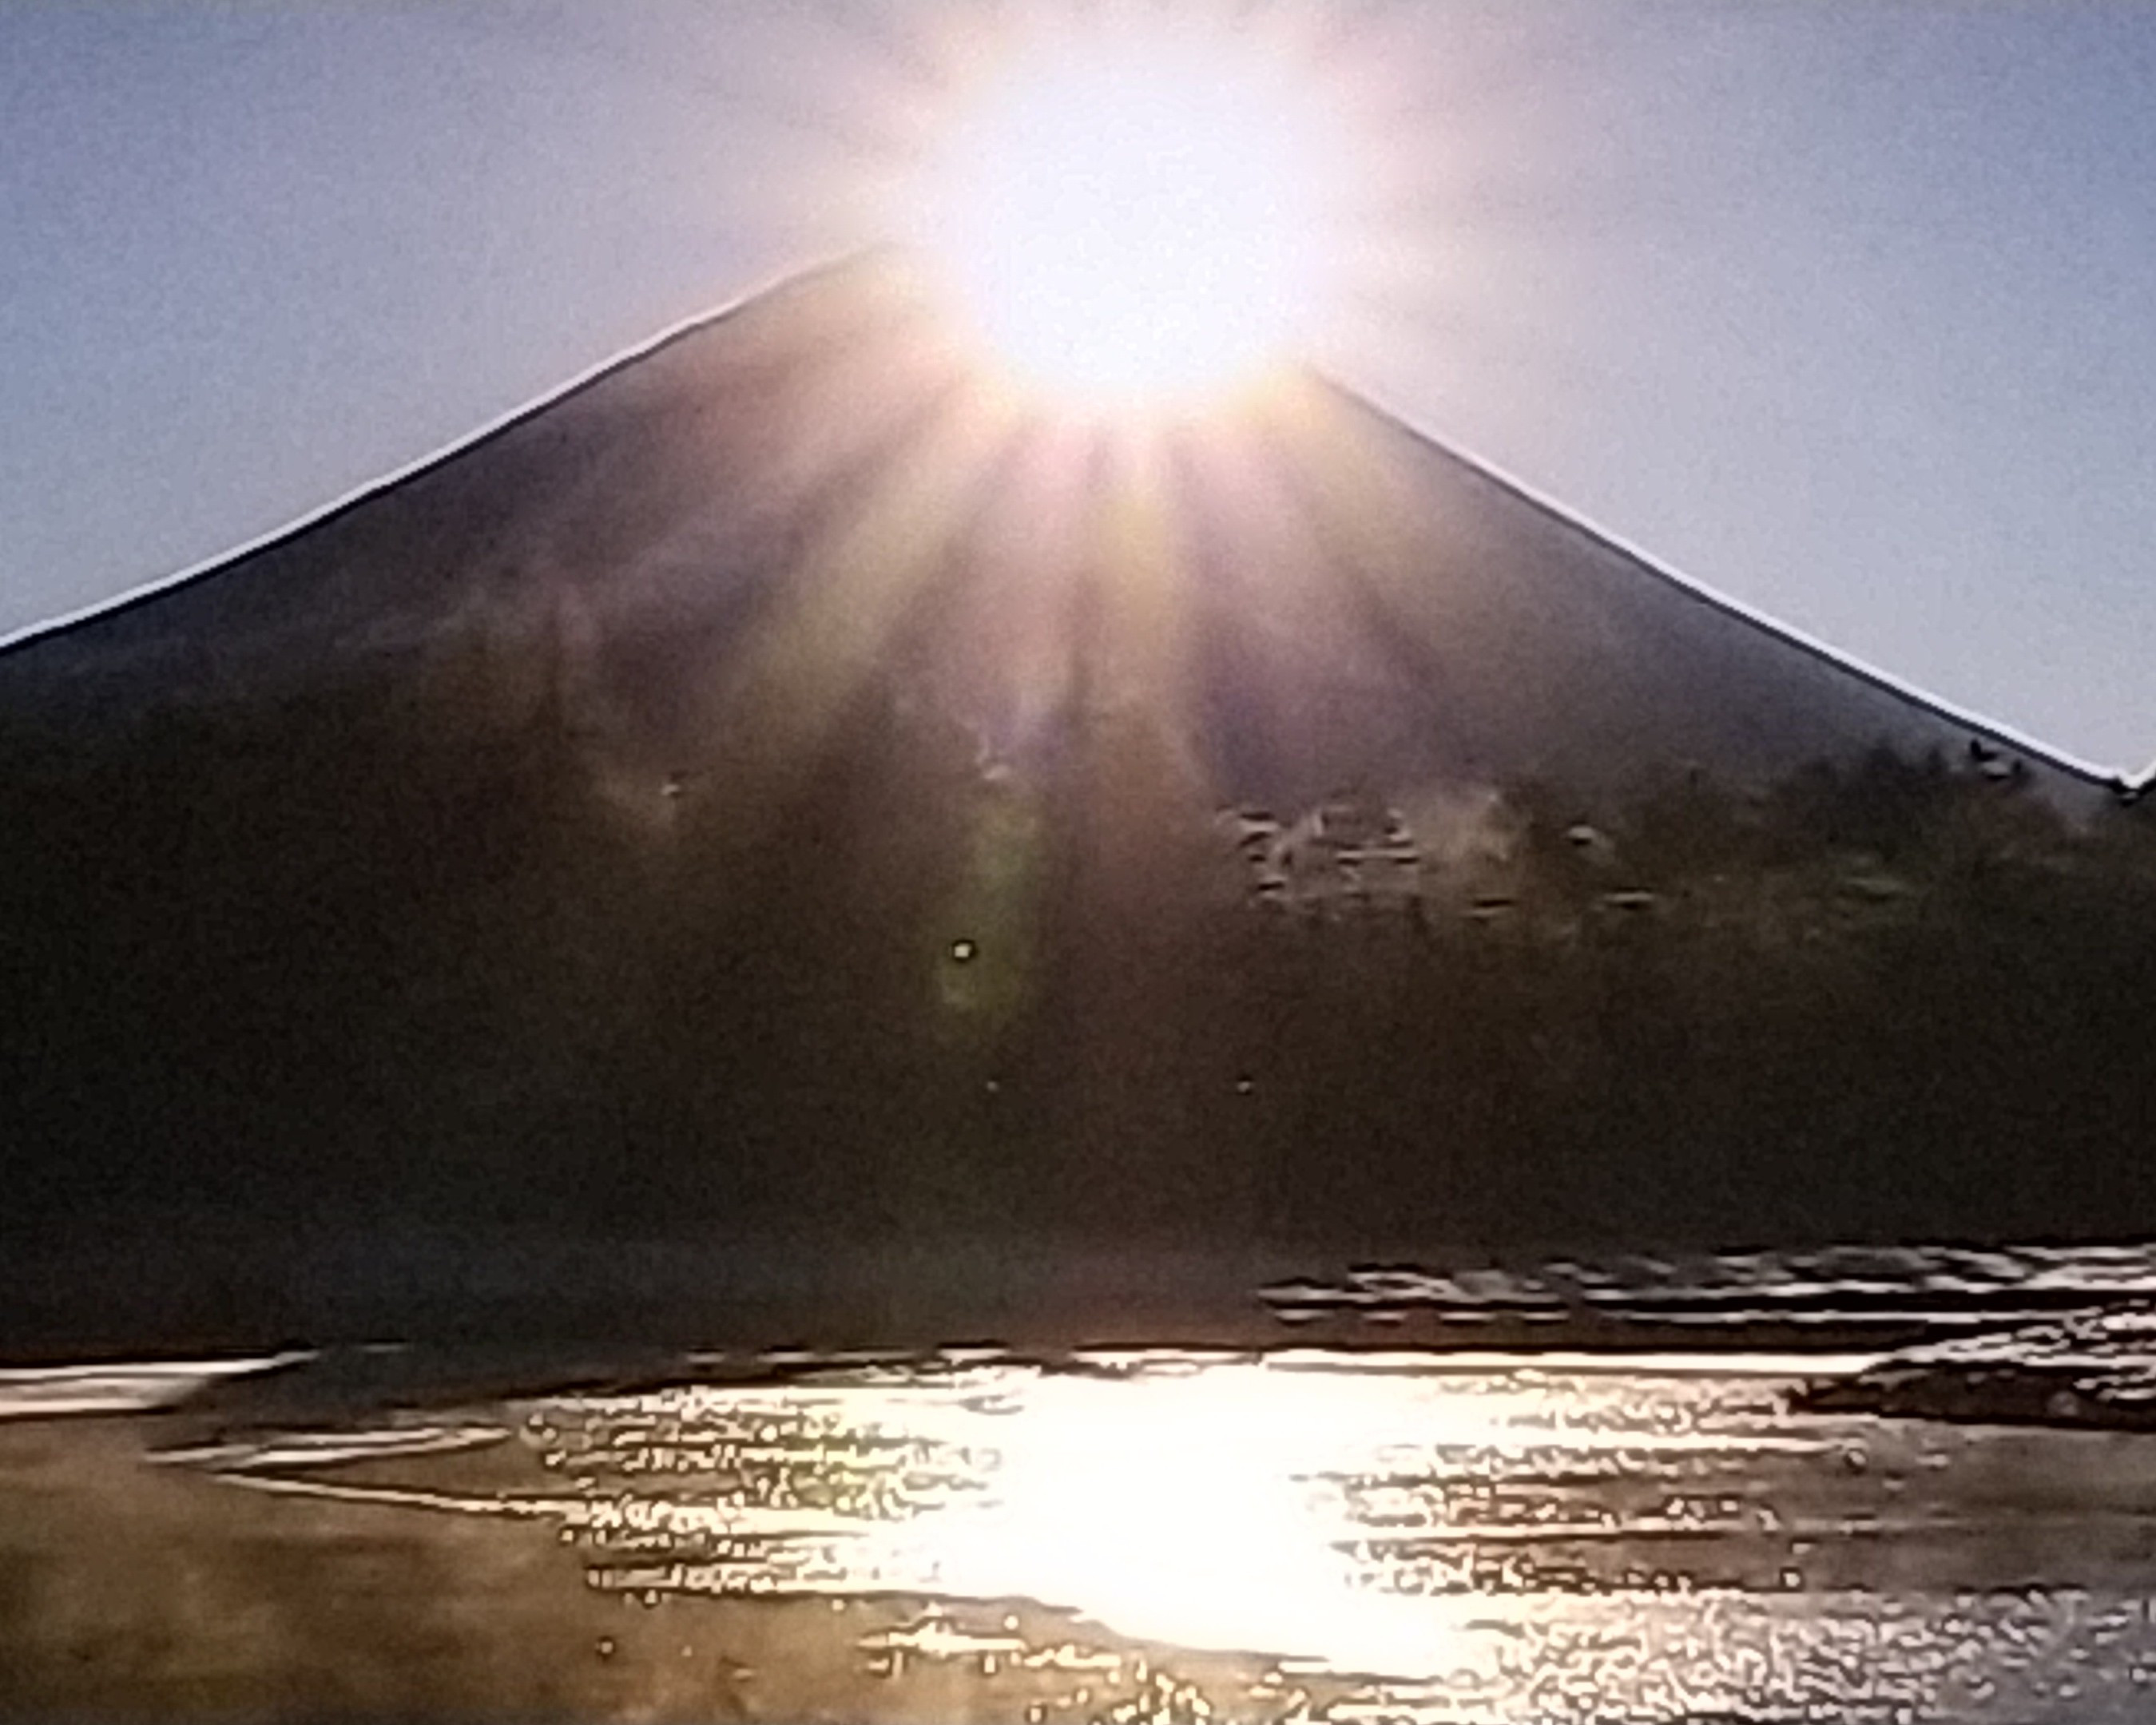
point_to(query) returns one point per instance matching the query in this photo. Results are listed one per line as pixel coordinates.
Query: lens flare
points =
(1135, 223)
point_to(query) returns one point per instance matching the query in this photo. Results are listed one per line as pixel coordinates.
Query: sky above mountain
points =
(1837, 308)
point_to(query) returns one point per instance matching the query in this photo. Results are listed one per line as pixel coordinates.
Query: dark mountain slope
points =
(779, 803)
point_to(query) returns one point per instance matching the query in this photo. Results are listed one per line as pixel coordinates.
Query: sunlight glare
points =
(1209, 1520)
(1126, 226)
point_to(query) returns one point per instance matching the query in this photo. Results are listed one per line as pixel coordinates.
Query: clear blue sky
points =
(1845, 308)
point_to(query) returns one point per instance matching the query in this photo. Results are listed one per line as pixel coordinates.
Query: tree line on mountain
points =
(377, 947)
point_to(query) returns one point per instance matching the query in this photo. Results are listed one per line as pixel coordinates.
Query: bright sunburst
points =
(1132, 219)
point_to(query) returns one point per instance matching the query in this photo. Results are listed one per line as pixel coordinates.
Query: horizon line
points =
(2114, 777)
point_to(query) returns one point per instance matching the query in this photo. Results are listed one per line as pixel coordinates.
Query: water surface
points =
(1319, 1535)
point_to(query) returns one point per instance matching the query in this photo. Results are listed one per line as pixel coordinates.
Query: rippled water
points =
(1948, 1289)
(1312, 1535)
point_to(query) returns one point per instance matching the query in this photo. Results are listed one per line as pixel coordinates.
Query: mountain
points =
(781, 825)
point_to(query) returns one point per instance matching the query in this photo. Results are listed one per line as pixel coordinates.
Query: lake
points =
(1316, 1533)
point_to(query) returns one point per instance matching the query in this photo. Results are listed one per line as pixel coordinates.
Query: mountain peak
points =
(1349, 598)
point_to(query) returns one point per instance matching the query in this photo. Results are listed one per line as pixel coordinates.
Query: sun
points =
(1131, 222)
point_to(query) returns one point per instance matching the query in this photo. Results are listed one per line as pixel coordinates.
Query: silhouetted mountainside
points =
(1356, 602)
(779, 802)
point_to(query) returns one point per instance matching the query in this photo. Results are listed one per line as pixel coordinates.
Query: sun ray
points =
(874, 559)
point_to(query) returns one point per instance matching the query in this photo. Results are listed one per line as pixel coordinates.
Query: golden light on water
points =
(1321, 1538)
(1145, 1537)
(1208, 1523)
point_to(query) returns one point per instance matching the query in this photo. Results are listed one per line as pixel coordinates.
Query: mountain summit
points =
(1353, 600)
(781, 803)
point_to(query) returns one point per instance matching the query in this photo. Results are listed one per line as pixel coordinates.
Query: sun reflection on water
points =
(1345, 1518)
(1165, 1536)
(1213, 1520)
